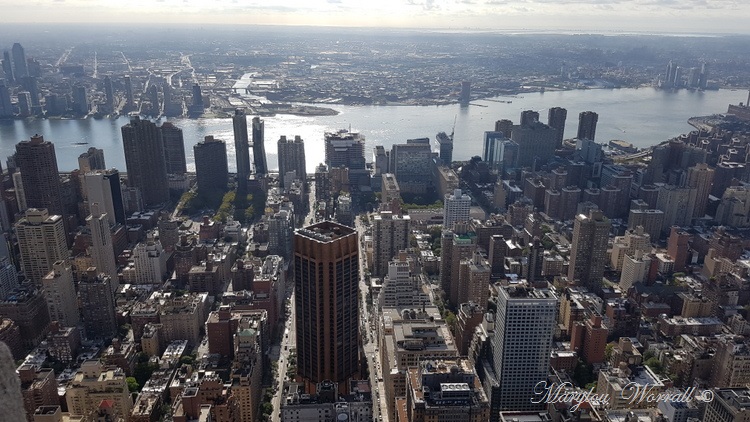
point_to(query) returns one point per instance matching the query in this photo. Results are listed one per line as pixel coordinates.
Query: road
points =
(287, 343)
(371, 349)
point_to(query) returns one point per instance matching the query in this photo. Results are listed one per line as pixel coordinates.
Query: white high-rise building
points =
(41, 242)
(524, 327)
(634, 269)
(102, 252)
(103, 188)
(60, 294)
(456, 207)
(390, 234)
(280, 233)
(400, 287)
(150, 262)
(634, 240)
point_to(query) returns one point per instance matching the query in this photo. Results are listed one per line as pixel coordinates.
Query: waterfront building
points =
(587, 125)
(174, 148)
(259, 149)
(241, 148)
(211, 167)
(144, 158)
(291, 155)
(556, 119)
(37, 162)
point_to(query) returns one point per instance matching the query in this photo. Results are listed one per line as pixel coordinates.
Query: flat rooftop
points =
(325, 231)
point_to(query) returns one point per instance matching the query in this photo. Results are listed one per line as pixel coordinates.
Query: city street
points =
(379, 410)
(287, 343)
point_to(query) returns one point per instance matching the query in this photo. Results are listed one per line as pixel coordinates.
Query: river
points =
(643, 117)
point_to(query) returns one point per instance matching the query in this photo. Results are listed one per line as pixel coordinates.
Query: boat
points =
(80, 143)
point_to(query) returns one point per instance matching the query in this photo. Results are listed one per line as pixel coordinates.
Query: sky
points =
(653, 16)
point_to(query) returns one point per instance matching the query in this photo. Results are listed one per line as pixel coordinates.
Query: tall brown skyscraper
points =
(588, 254)
(145, 161)
(587, 125)
(556, 119)
(41, 180)
(326, 277)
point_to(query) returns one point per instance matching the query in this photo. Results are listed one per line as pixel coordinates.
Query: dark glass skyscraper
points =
(211, 165)
(21, 69)
(241, 148)
(144, 159)
(259, 149)
(8, 67)
(326, 277)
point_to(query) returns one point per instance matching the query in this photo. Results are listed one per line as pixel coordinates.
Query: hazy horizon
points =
(584, 16)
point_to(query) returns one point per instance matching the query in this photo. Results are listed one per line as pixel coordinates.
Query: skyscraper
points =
(152, 93)
(197, 97)
(211, 168)
(6, 107)
(97, 298)
(587, 125)
(456, 208)
(103, 187)
(390, 234)
(291, 158)
(588, 253)
(130, 101)
(8, 67)
(174, 149)
(41, 179)
(326, 273)
(80, 100)
(445, 143)
(41, 242)
(19, 62)
(259, 149)
(536, 143)
(411, 162)
(102, 252)
(556, 120)
(700, 177)
(344, 149)
(92, 159)
(109, 93)
(529, 117)
(241, 148)
(144, 159)
(60, 294)
(465, 92)
(524, 327)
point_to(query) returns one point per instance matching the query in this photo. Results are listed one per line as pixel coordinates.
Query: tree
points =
(655, 364)
(450, 320)
(608, 351)
(133, 385)
(186, 360)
